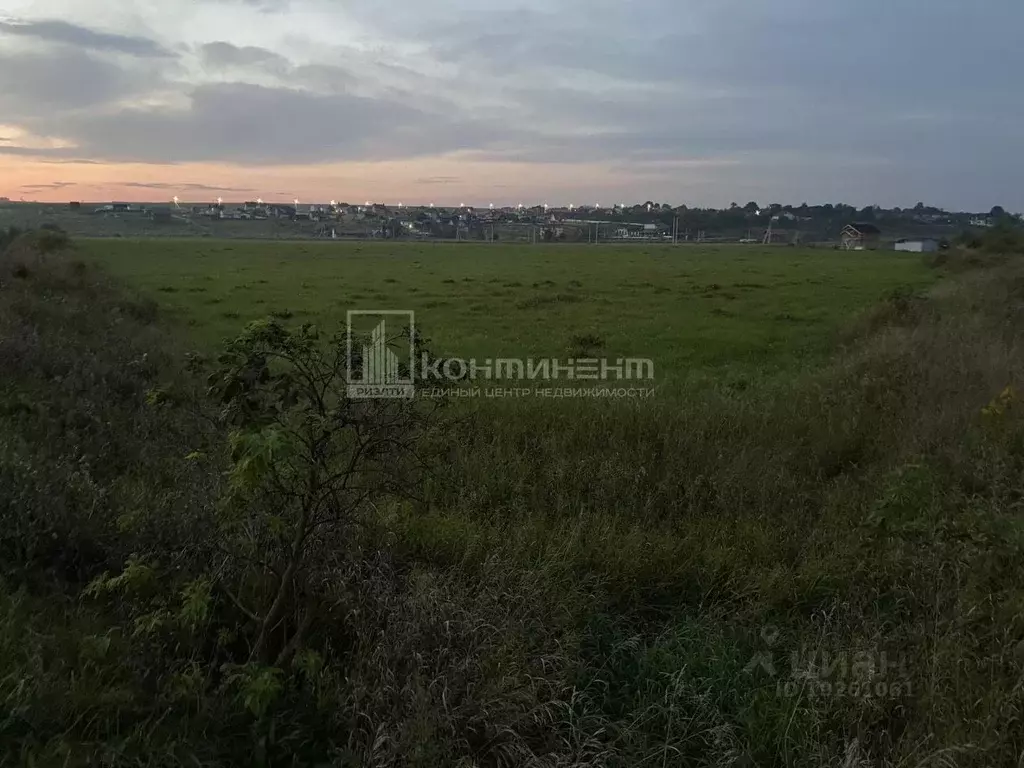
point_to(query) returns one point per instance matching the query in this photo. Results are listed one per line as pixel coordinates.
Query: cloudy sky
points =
(697, 102)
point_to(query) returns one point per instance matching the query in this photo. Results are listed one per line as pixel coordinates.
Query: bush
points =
(1006, 237)
(51, 238)
(7, 236)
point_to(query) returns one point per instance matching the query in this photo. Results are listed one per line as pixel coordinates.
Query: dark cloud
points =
(191, 187)
(242, 123)
(651, 80)
(323, 78)
(69, 161)
(54, 153)
(263, 6)
(62, 32)
(222, 55)
(43, 85)
(53, 185)
(438, 180)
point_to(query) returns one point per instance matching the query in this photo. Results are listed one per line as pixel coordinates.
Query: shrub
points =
(306, 463)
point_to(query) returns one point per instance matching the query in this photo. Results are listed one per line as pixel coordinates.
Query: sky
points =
(695, 102)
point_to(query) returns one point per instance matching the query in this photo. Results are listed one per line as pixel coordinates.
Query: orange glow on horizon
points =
(413, 182)
(443, 180)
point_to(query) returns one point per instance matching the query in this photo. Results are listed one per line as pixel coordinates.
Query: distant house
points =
(75, 206)
(161, 215)
(860, 235)
(925, 245)
(982, 221)
(281, 211)
(120, 207)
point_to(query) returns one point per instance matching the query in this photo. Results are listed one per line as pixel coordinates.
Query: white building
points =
(917, 246)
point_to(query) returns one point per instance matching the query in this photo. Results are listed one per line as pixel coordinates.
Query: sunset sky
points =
(696, 102)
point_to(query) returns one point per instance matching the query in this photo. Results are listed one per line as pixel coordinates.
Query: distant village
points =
(382, 221)
(922, 227)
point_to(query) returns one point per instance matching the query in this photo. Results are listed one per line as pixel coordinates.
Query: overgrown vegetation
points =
(1007, 236)
(231, 563)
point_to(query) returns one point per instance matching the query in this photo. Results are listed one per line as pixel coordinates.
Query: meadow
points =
(689, 308)
(805, 550)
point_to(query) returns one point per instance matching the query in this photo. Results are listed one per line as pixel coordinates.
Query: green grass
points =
(689, 308)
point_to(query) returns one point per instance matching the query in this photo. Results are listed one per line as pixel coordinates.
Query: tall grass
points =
(584, 583)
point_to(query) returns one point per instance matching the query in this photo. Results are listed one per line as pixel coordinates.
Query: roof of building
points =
(864, 228)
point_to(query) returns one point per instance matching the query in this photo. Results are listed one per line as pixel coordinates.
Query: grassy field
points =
(818, 563)
(689, 308)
